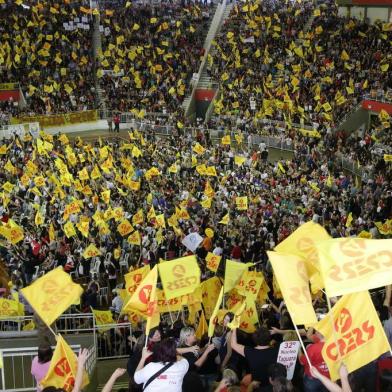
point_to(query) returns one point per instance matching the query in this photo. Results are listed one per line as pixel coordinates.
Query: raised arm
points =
(113, 378)
(239, 348)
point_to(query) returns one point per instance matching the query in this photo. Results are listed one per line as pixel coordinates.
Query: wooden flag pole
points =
(302, 345)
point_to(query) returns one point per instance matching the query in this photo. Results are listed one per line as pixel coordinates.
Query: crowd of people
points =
(298, 63)
(67, 193)
(153, 55)
(138, 179)
(46, 47)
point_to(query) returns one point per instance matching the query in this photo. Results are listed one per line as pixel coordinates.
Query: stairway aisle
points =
(204, 81)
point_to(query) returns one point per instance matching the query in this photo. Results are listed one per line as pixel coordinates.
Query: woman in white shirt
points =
(165, 356)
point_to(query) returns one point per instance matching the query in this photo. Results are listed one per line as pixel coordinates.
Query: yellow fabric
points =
(249, 285)
(355, 264)
(63, 368)
(233, 273)
(91, 251)
(52, 294)
(358, 336)
(302, 243)
(10, 308)
(290, 272)
(213, 261)
(180, 276)
(210, 289)
(134, 278)
(144, 298)
(103, 317)
(241, 203)
(202, 327)
(214, 318)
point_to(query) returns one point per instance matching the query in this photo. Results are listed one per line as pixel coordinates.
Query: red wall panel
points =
(376, 106)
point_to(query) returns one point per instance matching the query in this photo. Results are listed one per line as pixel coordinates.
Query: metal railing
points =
(110, 340)
(15, 374)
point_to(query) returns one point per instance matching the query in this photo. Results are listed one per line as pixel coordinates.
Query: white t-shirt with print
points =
(169, 381)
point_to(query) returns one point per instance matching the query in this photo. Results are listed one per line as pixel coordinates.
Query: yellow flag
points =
(249, 285)
(206, 203)
(135, 238)
(384, 67)
(180, 276)
(241, 203)
(125, 227)
(344, 55)
(233, 273)
(214, 319)
(138, 218)
(51, 233)
(198, 149)
(210, 289)
(302, 243)
(39, 218)
(383, 115)
(52, 294)
(91, 251)
(349, 265)
(209, 190)
(103, 317)
(349, 219)
(210, 171)
(213, 261)
(69, 230)
(10, 308)
(237, 317)
(358, 336)
(134, 278)
(12, 232)
(290, 272)
(106, 196)
(239, 160)
(144, 299)
(226, 140)
(63, 368)
(202, 327)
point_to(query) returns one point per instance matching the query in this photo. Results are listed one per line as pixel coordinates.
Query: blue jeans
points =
(313, 385)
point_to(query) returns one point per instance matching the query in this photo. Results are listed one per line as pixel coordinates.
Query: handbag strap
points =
(157, 374)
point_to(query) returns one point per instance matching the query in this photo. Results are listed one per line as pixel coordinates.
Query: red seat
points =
(383, 364)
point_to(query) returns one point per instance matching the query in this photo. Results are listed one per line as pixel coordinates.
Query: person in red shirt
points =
(313, 350)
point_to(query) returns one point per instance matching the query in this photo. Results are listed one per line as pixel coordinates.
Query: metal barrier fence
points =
(110, 340)
(15, 374)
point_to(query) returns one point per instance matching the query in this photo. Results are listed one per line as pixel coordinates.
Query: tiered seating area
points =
(314, 76)
(156, 50)
(46, 47)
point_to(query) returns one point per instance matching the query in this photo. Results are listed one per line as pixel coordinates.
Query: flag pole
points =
(302, 345)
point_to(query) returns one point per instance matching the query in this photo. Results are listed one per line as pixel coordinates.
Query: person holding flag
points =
(314, 352)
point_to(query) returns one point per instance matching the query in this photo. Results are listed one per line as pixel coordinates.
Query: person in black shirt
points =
(258, 357)
(192, 380)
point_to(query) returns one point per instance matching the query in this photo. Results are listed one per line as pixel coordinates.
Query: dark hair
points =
(231, 316)
(165, 351)
(45, 353)
(152, 332)
(262, 337)
(277, 370)
(282, 385)
(53, 389)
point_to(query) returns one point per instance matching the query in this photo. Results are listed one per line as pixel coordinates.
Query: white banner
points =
(192, 241)
(288, 354)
